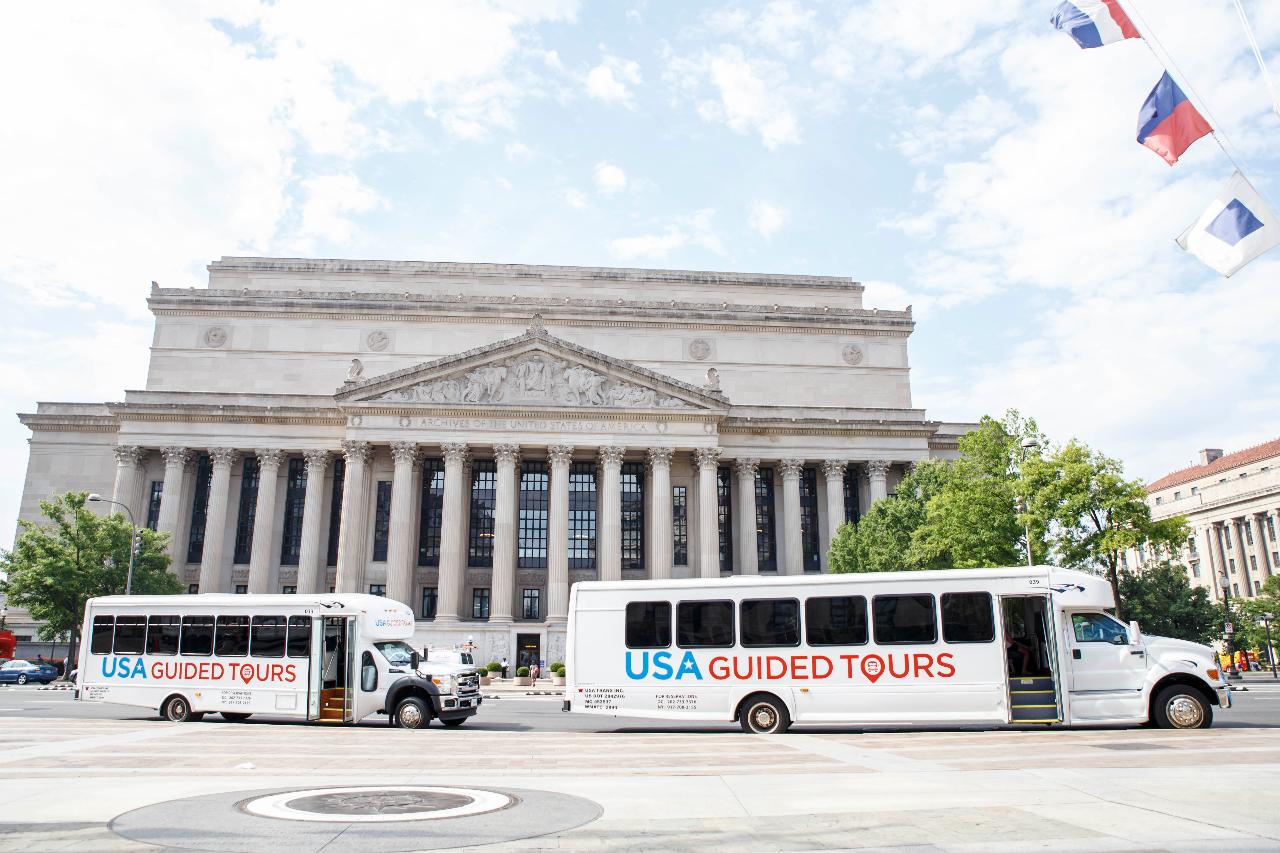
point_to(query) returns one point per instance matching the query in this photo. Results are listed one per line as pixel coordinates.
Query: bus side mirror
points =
(413, 662)
(1135, 636)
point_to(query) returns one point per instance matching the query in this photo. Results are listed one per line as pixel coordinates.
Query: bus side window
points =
(838, 620)
(704, 625)
(197, 635)
(162, 635)
(267, 640)
(231, 636)
(648, 625)
(770, 622)
(368, 673)
(103, 628)
(905, 619)
(299, 636)
(967, 617)
(131, 635)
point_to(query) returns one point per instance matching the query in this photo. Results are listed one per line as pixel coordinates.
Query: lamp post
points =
(1028, 444)
(1265, 622)
(1227, 628)
(133, 539)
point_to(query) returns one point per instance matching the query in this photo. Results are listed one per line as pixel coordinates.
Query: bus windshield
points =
(396, 652)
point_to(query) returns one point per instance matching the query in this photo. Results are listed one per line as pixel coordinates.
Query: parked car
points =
(22, 671)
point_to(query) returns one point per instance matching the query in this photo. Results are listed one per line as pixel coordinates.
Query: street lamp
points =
(1265, 622)
(1028, 444)
(1227, 629)
(133, 539)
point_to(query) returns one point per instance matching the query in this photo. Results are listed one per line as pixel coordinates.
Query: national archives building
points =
(472, 439)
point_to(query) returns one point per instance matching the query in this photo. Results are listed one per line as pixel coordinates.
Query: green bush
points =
(494, 666)
(557, 665)
(522, 672)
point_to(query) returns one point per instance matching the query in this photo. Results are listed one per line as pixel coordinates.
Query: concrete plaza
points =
(65, 776)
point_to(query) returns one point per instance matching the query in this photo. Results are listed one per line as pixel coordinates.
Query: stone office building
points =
(471, 439)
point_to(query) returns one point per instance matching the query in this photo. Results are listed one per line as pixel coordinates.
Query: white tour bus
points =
(326, 658)
(971, 646)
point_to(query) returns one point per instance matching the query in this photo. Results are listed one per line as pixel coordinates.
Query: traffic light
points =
(137, 544)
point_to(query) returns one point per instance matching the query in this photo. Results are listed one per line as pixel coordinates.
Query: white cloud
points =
(766, 218)
(575, 198)
(693, 230)
(750, 95)
(517, 152)
(330, 202)
(609, 179)
(782, 26)
(930, 135)
(609, 80)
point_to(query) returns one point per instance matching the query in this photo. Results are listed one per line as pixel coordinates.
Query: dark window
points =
(770, 622)
(431, 513)
(103, 629)
(480, 603)
(851, 512)
(633, 515)
(967, 617)
(533, 516)
(382, 521)
(648, 625)
(335, 510)
(531, 604)
(704, 624)
(299, 636)
(153, 505)
(242, 589)
(809, 518)
(838, 620)
(905, 619)
(428, 602)
(131, 635)
(582, 515)
(724, 515)
(484, 484)
(295, 496)
(248, 509)
(162, 635)
(231, 636)
(193, 589)
(267, 639)
(288, 590)
(378, 589)
(766, 540)
(197, 635)
(199, 509)
(680, 525)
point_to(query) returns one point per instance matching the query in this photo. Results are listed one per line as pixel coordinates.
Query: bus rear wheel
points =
(1180, 706)
(412, 713)
(176, 709)
(764, 715)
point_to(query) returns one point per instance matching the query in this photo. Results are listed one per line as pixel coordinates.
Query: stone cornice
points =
(67, 423)
(207, 413)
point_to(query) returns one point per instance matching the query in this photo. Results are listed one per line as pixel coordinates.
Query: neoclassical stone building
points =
(471, 439)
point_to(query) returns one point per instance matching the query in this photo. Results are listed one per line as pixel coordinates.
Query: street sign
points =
(1231, 629)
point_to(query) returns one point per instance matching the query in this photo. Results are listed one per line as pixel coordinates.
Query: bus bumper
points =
(565, 706)
(1224, 697)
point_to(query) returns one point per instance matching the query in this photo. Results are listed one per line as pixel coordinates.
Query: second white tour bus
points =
(971, 646)
(326, 658)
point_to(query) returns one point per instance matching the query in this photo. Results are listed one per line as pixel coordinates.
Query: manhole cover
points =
(377, 805)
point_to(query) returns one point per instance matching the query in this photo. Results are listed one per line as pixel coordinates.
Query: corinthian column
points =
(352, 537)
(451, 535)
(264, 518)
(609, 550)
(215, 519)
(1257, 519)
(561, 456)
(1215, 540)
(401, 554)
(708, 514)
(661, 530)
(877, 476)
(793, 552)
(748, 549)
(833, 472)
(128, 460)
(502, 596)
(309, 569)
(175, 470)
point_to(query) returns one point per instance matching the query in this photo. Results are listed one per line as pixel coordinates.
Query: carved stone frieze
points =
(534, 379)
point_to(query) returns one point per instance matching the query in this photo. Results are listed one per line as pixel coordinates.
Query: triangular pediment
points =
(534, 370)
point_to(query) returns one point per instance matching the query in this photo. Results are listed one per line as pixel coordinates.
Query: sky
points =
(962, 158)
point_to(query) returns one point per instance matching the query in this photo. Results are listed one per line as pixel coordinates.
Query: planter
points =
(557, 680)
(522, 681)
(485, 681)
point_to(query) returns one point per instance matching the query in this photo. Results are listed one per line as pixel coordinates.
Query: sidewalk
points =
(506, 687)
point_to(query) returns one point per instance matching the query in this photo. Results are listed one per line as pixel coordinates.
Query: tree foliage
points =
(1165, 604)
(55, 568)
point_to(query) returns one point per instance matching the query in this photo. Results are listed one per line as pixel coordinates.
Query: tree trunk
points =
(1113, 578)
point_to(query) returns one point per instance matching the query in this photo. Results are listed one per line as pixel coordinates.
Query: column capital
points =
(357, 451)
(746, 467)
(560, 454)
(611, 454)
(878, 467)
(660, 456)
(708, 457)
(223, 456)
(507, 454)
(455, 453)
(316, 458)
(791, 467)
(404, 452)
(834, 467)
(129, 454)
(178, 456)
(269, 457)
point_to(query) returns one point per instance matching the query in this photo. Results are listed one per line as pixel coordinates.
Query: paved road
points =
(68, 770)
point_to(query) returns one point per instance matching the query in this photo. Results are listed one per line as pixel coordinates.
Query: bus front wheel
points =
(764, 715)
(1180, 706)
(412, 713)
(177, 709)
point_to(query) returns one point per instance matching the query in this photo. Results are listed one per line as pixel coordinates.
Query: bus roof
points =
(339, 600)
(1051, 573)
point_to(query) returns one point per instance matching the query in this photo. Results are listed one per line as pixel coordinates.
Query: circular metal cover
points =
(376, 804)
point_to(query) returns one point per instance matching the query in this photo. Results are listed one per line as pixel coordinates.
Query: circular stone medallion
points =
(377, 805)
(852, 354)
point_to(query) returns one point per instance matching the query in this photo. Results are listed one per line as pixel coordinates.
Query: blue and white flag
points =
(1235, 228)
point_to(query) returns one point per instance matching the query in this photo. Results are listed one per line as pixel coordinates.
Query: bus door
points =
(1031, 660)
(334, 687)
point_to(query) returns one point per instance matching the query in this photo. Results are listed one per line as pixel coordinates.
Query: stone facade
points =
(478, 413)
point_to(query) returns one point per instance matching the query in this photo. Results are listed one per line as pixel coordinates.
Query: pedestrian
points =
(534, 671)
(504, 666)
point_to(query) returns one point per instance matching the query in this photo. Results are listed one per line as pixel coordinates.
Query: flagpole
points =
(1257, 54)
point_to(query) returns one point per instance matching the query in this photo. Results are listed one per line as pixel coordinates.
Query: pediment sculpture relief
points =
(535, 378)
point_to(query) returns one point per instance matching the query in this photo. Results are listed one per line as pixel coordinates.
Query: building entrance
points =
(528, 649)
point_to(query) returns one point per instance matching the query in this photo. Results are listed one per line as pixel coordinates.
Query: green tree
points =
(1165, 604)
(55, 568)
(881, 539)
